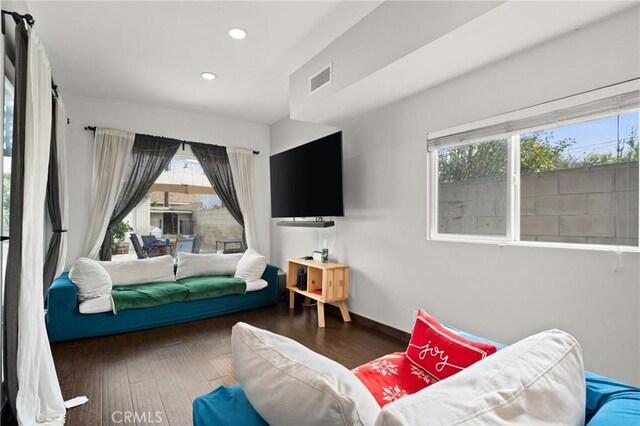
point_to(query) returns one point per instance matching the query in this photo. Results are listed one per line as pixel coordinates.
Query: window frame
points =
(512, 231)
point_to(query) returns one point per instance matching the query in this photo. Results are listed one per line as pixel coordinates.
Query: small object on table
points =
(325, 252)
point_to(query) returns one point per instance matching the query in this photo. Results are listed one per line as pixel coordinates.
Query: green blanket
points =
(155, 294)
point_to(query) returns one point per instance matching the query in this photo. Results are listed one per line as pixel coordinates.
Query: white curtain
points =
(241, 162)
(61, 139)
(39, 399)
(111, 155)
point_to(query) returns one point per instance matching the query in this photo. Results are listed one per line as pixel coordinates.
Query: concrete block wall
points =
(589, 205)
(214, 224)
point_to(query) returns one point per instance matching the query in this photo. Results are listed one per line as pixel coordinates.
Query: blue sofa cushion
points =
(611, 403)
(225, 406)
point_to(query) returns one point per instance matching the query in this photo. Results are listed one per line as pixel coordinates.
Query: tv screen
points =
(306, 181)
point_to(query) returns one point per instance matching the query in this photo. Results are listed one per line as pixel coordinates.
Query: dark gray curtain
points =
(53, 207)
(14, 257)
(150, 156)
(215, 163)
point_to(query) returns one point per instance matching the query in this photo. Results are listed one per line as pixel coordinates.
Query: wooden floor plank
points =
(165, 369)
(137, 352)
(88, 364)
(116, 389)
(175, 398)
(222, 381)
(147, 404)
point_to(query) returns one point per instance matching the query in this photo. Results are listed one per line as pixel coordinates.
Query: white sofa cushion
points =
(251, 266)
(141, 271)
(199, 265)
(91, 279)
(288, 384)
(538, 380)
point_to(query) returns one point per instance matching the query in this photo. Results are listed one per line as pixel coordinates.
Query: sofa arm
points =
(62, 294)
(270, 275)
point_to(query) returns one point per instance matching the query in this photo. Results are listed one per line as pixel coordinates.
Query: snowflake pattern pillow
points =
(392, 377)
(440, 352)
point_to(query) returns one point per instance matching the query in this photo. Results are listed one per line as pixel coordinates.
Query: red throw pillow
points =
(392, 377)
(440, 352)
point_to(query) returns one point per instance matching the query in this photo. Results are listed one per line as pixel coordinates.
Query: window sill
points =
(508, 243)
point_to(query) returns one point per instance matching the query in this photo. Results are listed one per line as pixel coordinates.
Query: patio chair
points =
(137, 247)
(197, 244)
(185, 244)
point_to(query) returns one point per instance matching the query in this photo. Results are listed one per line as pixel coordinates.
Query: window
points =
(533, 179)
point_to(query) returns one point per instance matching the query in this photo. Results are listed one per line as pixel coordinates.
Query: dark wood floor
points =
(163, 370)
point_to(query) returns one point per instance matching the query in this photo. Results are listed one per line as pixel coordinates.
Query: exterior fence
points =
(589, 205)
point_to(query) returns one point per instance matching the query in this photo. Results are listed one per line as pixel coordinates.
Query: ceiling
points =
(153, 52)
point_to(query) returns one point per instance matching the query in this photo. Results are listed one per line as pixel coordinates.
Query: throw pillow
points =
(141, 271)
(538, 380)
(392, 377)
(288, 384)
(251, 266)
(91, 279)
(199, 265)
(440, 352)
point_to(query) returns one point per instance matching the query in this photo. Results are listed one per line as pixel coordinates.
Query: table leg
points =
(320, 314)
(292, 298)
(345, 313)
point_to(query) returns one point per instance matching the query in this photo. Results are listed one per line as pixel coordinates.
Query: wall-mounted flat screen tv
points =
(306, 181)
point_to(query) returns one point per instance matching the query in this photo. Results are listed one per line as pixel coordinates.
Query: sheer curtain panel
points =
(111, 155)
(241, 163)
(39, 398)
(150, 156)
(63, 191)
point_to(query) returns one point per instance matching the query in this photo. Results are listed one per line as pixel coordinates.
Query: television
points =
(306, 181)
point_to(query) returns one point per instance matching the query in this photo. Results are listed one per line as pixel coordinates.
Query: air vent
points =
(320, 79)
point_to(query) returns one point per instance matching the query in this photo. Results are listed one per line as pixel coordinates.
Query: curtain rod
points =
(30, 21)
(93, 129)
(17, 18)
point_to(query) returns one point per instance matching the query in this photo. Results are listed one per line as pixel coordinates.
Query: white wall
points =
(503, 293)
(85, 111)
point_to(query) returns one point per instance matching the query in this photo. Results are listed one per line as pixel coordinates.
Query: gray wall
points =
(501, 292)
(587, 205)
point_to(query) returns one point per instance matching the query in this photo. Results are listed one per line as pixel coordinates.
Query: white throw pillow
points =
(198, 265)
(91, 279)
(251, 266)
(538, 380)
(288, 384)
(141, 271)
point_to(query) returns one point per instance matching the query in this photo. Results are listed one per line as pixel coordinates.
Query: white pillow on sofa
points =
(251, 266)
(91, 279)
(538, 380)
(288, 384)
(141, 271)
(198, 265)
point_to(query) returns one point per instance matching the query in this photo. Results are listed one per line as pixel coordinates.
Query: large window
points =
(575, 183)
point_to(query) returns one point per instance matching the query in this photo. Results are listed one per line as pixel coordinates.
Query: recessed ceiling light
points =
(237, 33)
(208, 76)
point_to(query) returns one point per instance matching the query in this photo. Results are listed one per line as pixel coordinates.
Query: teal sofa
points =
(65, 322)
(608, 402)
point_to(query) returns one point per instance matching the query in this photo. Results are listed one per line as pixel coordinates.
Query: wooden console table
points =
(326, 282)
